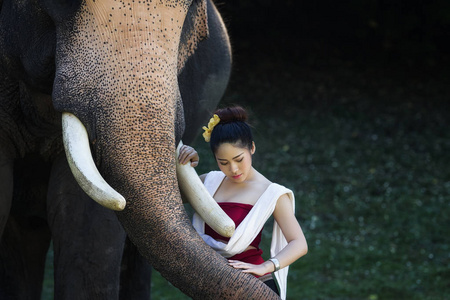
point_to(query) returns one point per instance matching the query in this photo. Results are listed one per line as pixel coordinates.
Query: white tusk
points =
(201, 200)
(76, 144)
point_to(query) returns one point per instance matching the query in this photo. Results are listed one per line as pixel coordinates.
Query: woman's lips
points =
(237, 176)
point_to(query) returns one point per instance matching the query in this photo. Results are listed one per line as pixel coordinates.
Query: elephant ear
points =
(195, 29)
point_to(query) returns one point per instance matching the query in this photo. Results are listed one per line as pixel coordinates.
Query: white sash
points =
(252, 224)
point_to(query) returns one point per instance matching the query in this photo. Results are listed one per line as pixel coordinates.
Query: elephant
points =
(137, 76)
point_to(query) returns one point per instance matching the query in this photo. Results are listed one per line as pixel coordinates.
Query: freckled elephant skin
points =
(140, 75)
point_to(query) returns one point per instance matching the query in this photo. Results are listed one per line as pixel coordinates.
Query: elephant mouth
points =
(76, 145)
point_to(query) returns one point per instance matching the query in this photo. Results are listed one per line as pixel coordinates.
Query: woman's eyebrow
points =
(232, 158)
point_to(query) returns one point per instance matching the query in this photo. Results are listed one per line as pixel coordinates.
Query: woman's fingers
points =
(247, 268)
(188, 154)
(181, 155)
(239, 264)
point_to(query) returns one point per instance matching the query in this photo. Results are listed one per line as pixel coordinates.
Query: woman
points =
(249, 199)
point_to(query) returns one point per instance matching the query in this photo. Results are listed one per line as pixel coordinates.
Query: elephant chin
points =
(76, 144)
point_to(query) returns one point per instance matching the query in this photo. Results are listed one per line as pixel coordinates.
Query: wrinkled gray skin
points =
(140, 75)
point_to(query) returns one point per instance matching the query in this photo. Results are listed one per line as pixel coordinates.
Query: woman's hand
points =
(188, 154)
(258, 270)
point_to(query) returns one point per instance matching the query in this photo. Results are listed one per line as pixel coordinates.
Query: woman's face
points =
(235, 162)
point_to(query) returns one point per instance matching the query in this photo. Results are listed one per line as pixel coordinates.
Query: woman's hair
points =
(232, 128)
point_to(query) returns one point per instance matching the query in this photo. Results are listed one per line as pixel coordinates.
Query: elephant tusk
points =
(76, 144)
(197, 195)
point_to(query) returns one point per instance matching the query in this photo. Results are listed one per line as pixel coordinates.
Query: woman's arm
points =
(296, 247)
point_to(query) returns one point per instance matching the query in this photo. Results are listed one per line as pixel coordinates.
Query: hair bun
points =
(232, 128)
(232, 114)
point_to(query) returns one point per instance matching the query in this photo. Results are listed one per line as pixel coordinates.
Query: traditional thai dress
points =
(249, 222)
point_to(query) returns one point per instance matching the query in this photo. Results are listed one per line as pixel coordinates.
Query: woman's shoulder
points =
(267, 182)
(276, 188)
(261, 180)
(260, 183)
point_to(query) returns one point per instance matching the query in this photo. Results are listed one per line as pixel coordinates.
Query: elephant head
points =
(121, 67)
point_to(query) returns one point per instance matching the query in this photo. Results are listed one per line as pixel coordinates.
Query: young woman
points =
(249, 199)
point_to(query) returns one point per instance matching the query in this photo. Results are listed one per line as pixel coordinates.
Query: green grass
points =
(367, 156)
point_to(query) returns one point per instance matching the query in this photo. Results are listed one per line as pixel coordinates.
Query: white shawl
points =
(249, 228)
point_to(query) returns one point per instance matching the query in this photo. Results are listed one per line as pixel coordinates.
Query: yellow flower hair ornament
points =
(212, 123)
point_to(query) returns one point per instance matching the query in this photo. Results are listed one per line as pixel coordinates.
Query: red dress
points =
(237, 212)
